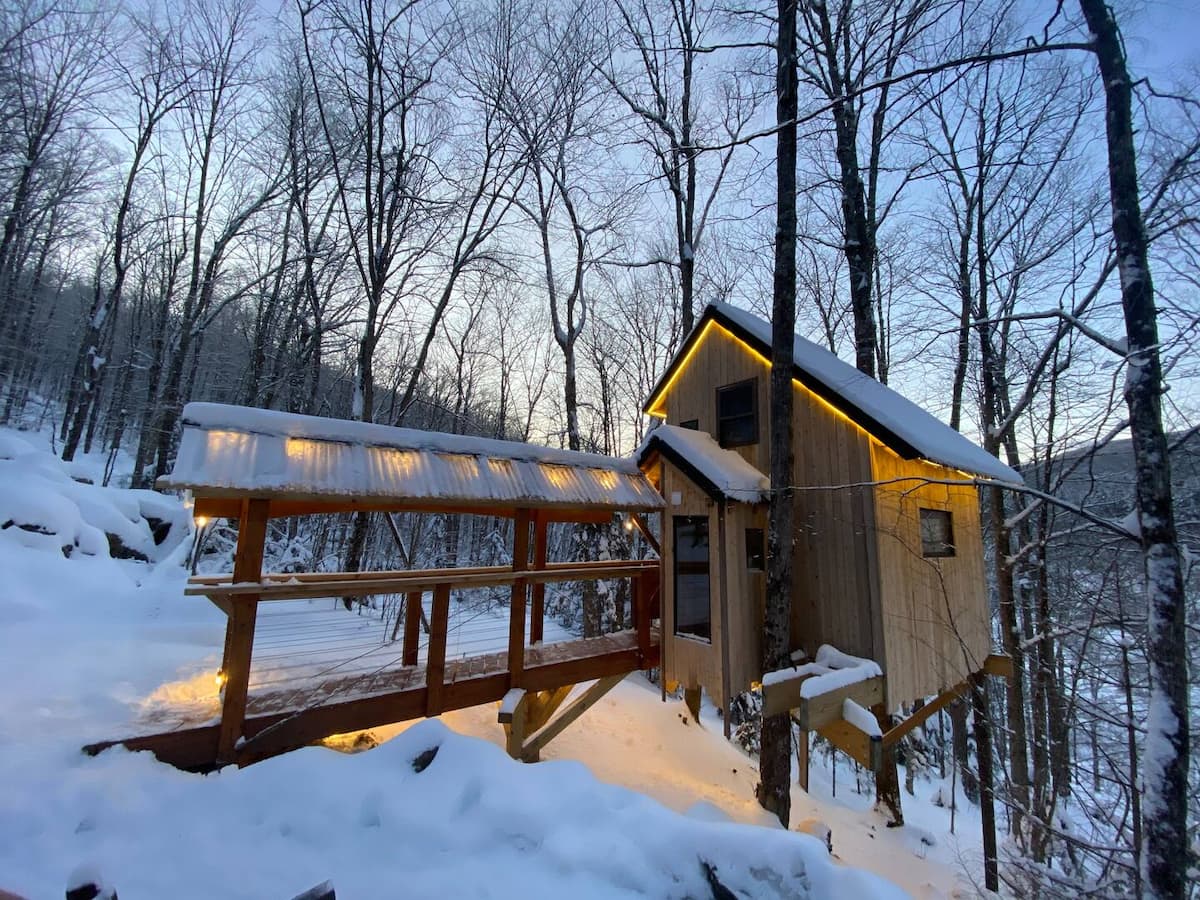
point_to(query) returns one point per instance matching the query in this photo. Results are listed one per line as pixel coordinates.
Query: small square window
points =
(937, 534)
(756, 553)
(692, 424)
(737, 414)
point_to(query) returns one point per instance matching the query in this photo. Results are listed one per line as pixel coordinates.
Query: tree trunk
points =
(1165, 751)
(775, 758)
(987, 797)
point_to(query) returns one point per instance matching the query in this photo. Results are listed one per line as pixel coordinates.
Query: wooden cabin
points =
(888, 561)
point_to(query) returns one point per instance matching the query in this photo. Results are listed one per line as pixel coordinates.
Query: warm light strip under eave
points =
(655, 409)
(658, 412)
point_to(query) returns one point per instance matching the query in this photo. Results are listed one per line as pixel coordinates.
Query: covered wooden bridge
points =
(256, 465)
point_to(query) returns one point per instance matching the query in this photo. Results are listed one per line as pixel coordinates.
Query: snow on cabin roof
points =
(235, 450)
(893, 419)
(725, 471)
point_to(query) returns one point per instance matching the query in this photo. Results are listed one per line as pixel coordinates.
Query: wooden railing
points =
(239, 597)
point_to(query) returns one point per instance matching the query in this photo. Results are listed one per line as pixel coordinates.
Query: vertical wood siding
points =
(859, 580)
(935, 610)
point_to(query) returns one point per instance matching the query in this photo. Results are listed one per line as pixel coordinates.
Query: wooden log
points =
(538, 600)
(516, 620)
(412, 627)
(239, 628)
(435, 662)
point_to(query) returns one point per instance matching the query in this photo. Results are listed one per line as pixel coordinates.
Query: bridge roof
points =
(307, 464)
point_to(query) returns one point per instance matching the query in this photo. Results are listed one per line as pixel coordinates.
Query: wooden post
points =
(642, 610)
(802, 759)
(537, 603)
(412, 627)
(516, 622)
(987, 795)
(435, 662)
(239, 628)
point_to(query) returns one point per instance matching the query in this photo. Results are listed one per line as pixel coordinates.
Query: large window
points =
(693, 607)
(737, 413)
(937, 533)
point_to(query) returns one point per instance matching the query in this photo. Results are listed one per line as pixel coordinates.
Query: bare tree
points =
(1165, 755)
(669, 41)
(157, 77)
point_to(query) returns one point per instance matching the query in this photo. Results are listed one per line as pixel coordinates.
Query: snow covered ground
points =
(633, 800)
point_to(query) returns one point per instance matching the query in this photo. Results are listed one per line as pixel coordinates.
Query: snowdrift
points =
(49, 505)
(468, 822)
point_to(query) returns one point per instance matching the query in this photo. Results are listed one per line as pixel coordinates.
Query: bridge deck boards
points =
(281, 720)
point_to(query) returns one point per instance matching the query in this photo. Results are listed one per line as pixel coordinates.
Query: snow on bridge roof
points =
(234, 451)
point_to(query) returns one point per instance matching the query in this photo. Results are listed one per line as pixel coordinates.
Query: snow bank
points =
(44, 507)
(471, 823)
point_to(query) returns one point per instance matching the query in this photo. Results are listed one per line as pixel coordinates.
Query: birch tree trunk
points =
(1165, 752)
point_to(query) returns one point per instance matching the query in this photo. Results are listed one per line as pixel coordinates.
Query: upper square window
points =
(737, 413)
(937, 533)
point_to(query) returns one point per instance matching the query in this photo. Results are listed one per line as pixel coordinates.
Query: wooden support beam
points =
(412, 627)
(538, 601)
(645, 595)
(645, 530)
(534, 745)
(942, 700)
(270, 734)
(516, 619)
(863, 748)
(827, 707)
(999, 665)
(239, 628)
(527, 715)
(802, 759)
(811, 713)
(435, 662)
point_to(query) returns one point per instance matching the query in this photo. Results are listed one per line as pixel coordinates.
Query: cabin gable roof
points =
(896, 422)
